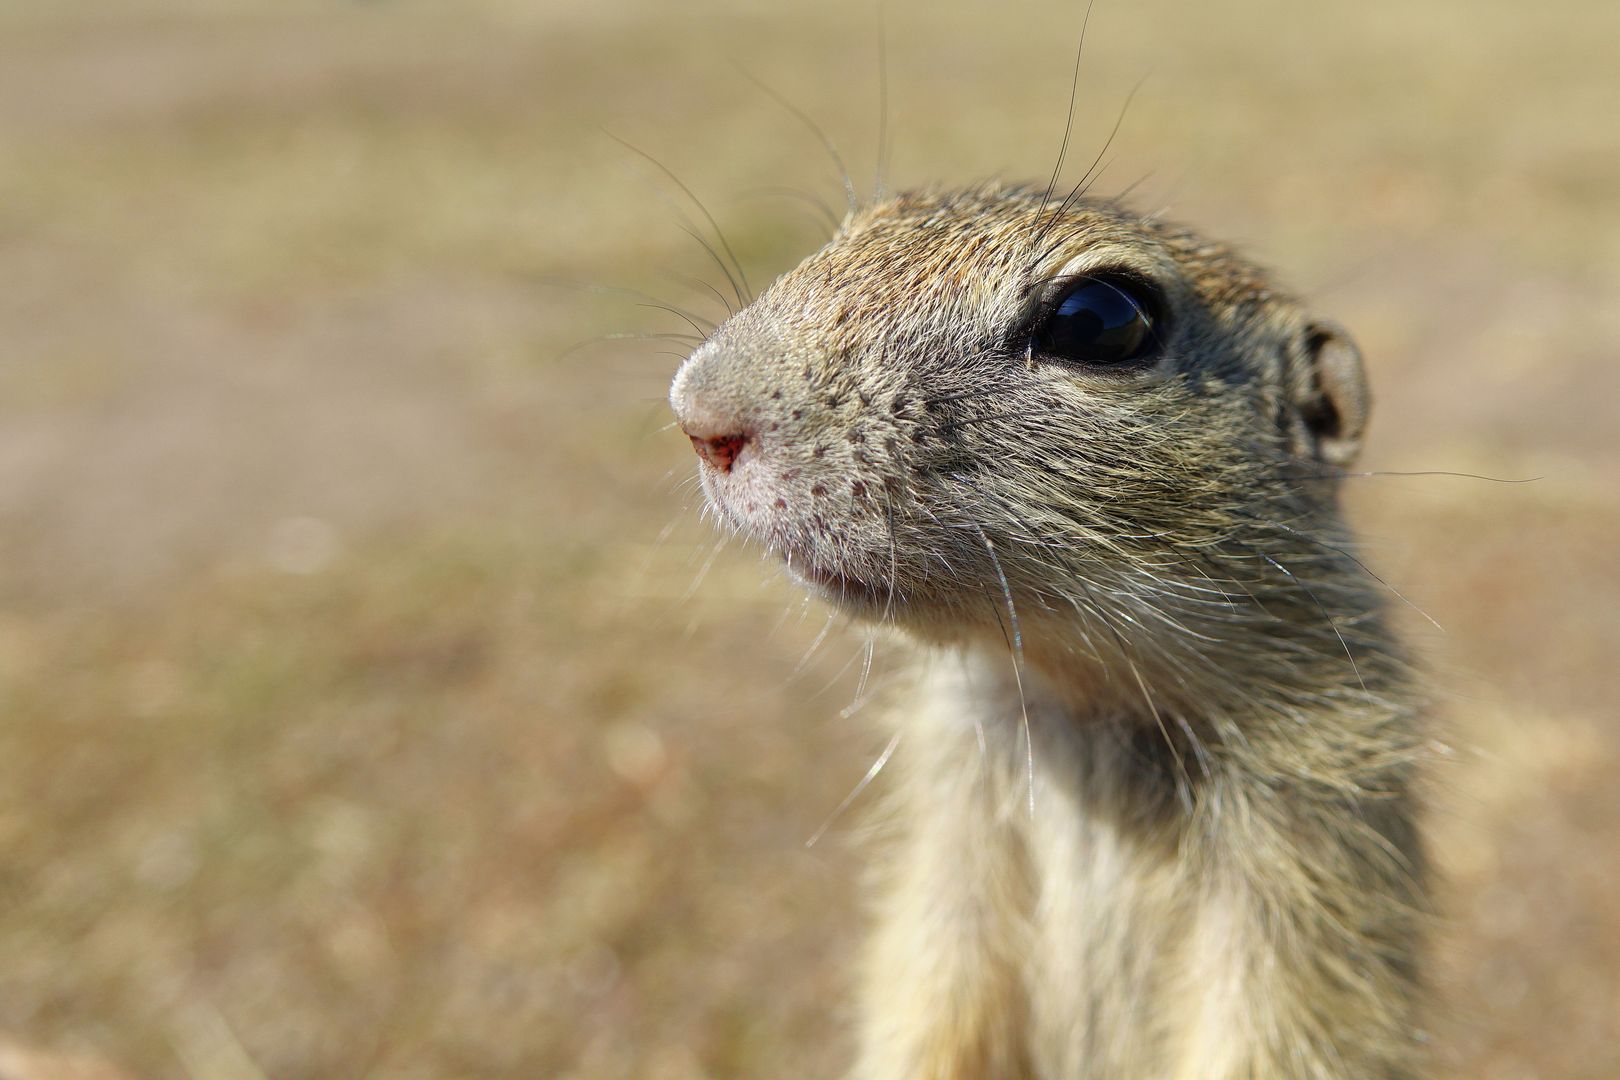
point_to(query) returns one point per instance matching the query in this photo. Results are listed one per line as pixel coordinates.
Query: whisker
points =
(1364, 568)
(746, 295)
(1356, 668)
(684, 223)
(1119, 122)
(702, 331)
(1068, 122)
(1086, 190)
(737, 287)
(696, 283)
(804, 661)
(894, 557)
(815, 202)
(703, 571)
(608, 339)
(1018, 665)
(692, 318)
(855, 793)
(1079, 188)
(866, 669)
(1185, 787)
(1432, 472)
(838, 675)
(804, 118)
(1134, 184)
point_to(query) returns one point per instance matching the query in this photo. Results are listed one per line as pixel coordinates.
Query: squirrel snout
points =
(718, 434)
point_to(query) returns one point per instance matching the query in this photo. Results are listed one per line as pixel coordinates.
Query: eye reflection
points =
(1099, 321)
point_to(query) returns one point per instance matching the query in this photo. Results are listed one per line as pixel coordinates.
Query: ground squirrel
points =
(1154, 787)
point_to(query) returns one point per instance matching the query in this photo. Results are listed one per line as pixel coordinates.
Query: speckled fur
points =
(1136, 604)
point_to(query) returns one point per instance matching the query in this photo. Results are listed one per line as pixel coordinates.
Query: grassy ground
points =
(356, 715)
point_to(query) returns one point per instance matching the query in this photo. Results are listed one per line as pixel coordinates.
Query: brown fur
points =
(1153, 794)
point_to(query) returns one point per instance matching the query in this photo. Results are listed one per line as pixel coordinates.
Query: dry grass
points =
(355, 719)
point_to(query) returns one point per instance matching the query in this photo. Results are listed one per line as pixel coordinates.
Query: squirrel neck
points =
(1273, 686)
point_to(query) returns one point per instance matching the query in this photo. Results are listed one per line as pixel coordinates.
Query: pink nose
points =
(719, 451)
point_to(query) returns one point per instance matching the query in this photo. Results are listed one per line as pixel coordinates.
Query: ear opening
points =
(1332, 400)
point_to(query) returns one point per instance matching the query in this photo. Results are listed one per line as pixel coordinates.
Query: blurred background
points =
(373, 700)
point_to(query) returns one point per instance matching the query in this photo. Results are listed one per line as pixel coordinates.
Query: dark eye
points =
(1100, 320)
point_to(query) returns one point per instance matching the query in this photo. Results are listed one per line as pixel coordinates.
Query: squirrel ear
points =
(1330, 398)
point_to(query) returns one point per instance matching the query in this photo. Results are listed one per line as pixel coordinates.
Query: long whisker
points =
(1119, 122)
(703, 571)
(703, 329)
(1364, 568)
(608, 339)
(863, 654)
(866, 669)
(1354, 667)
(738, 288)
(1096, 612)
(894, 556)
(1018, 665)
(719, 233)
(696, 283)
(855, 793)
(1343, 553)
(813, 201)
(1079, 189)
(815, 129)
(815, 645)
(703, 326)
(1130, 188)
(1424, 472)
(1068, 122)
(1185, 787)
